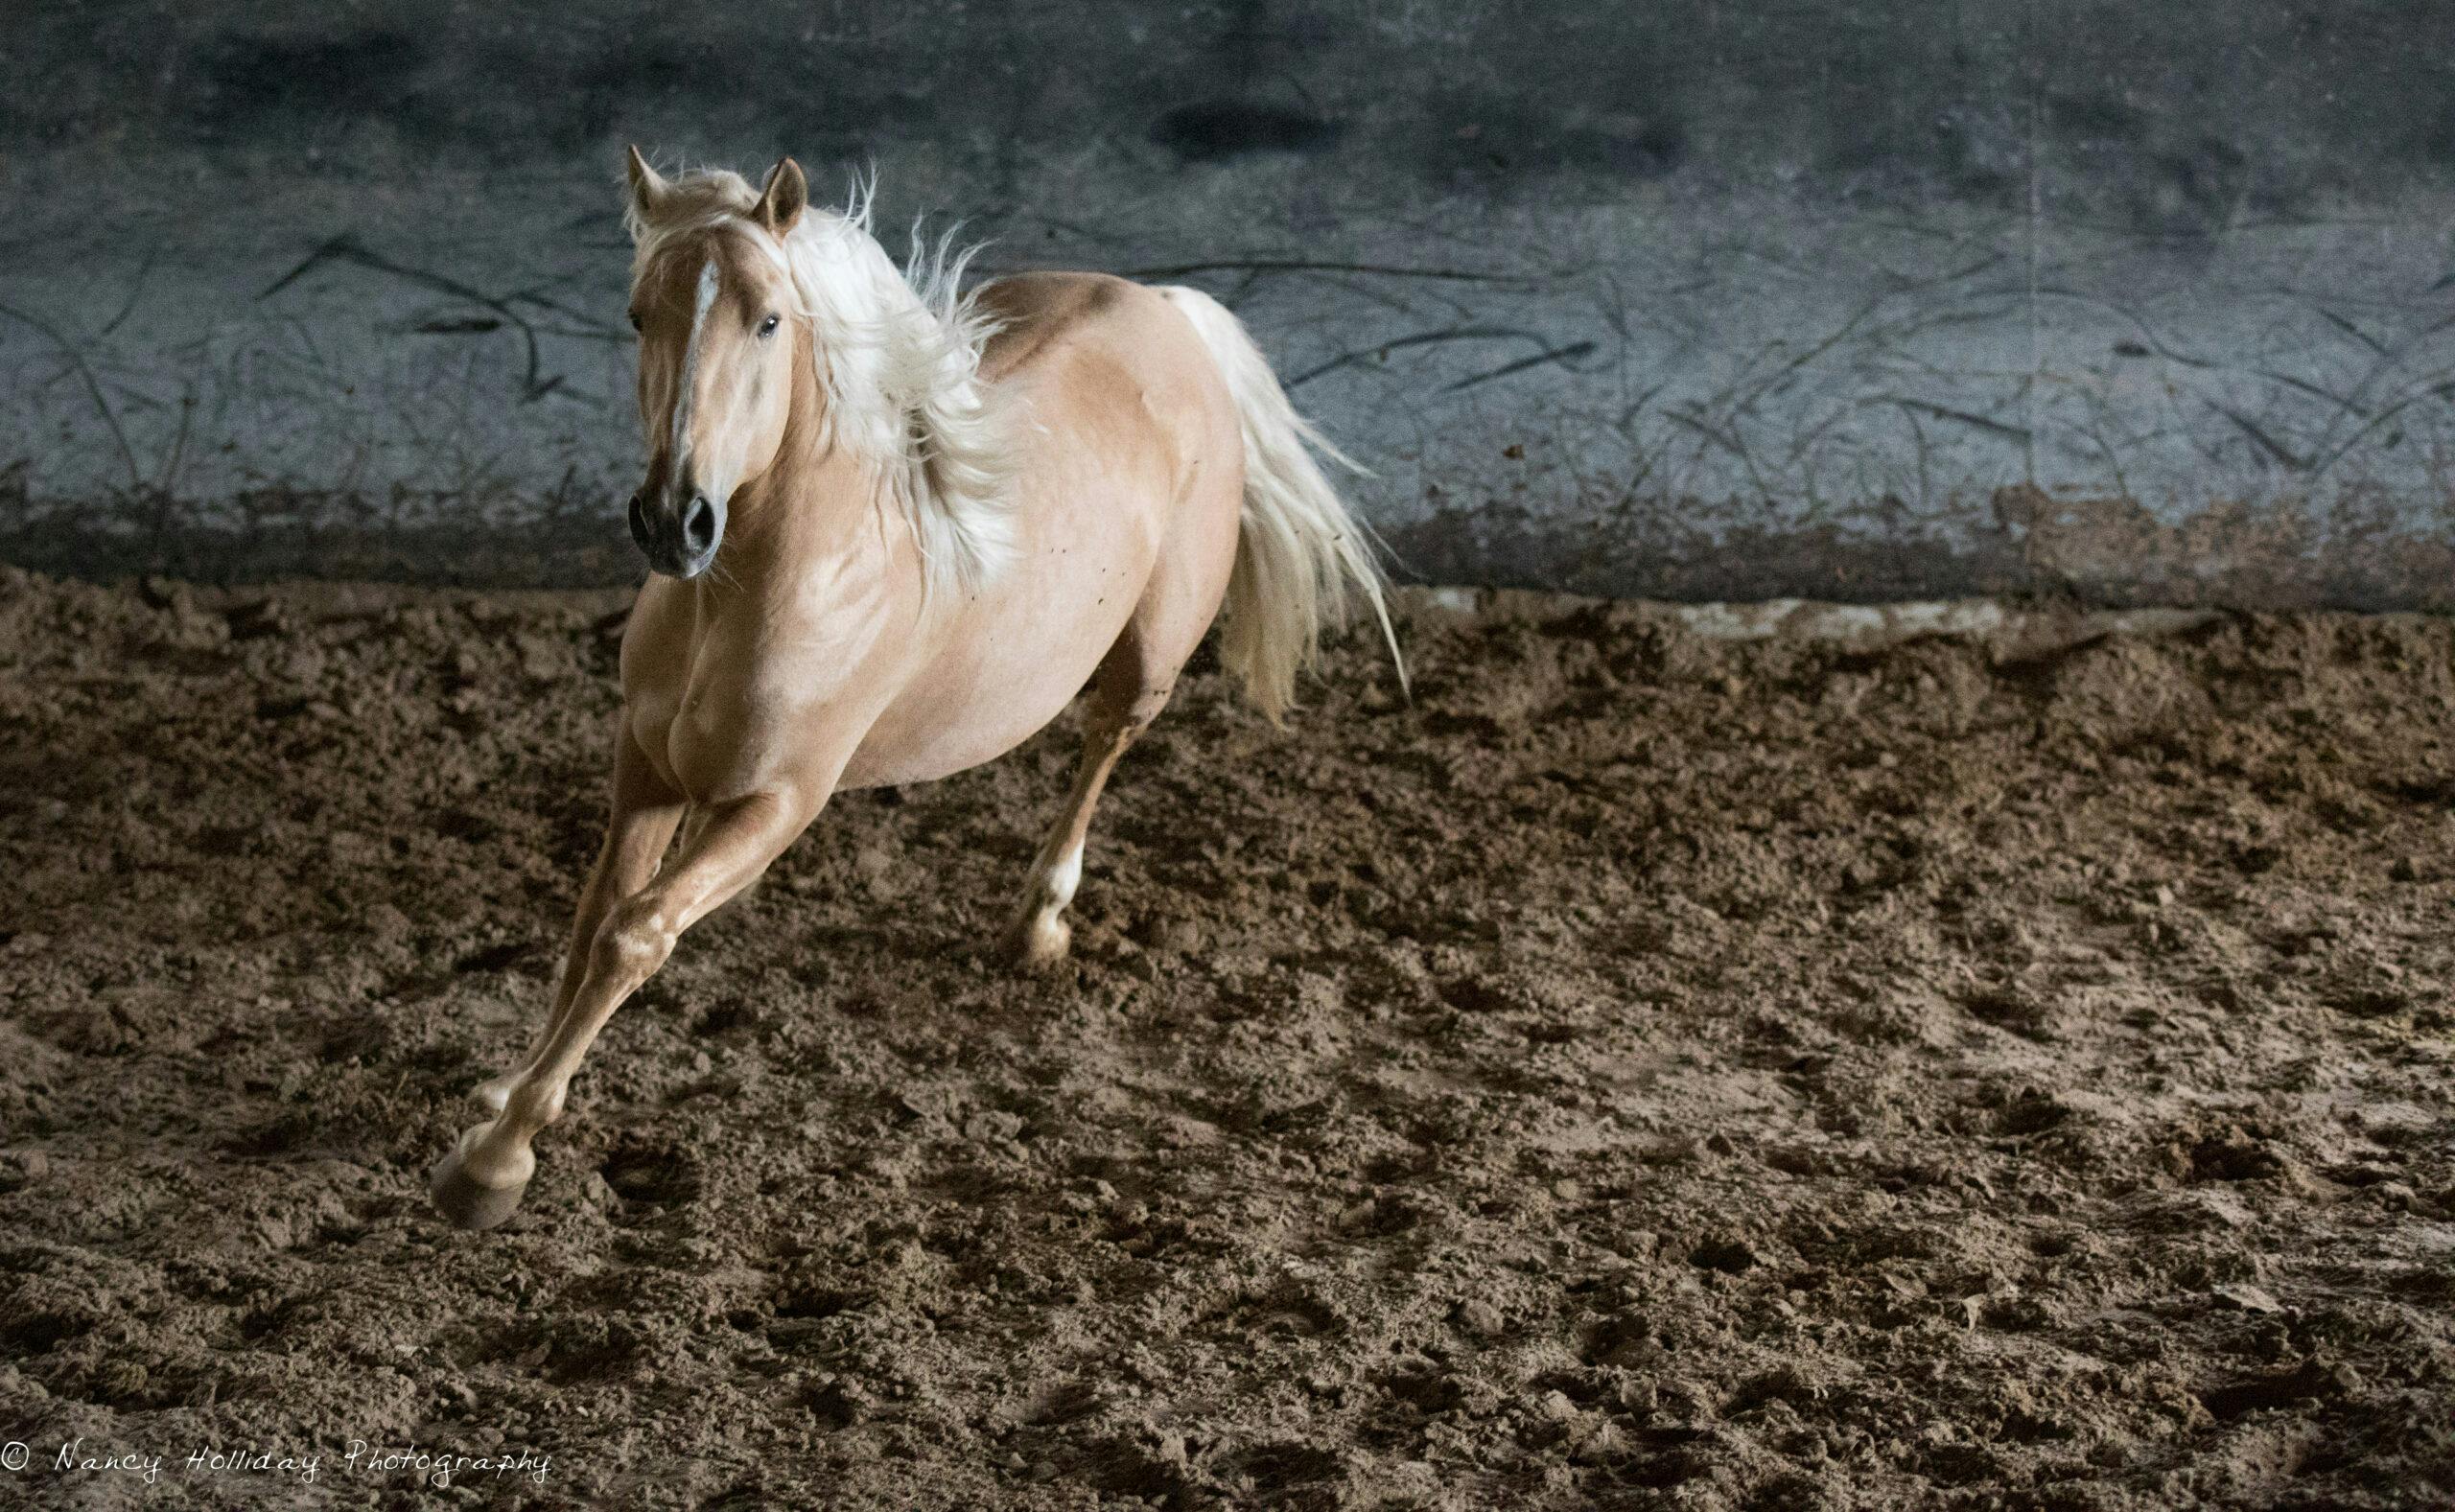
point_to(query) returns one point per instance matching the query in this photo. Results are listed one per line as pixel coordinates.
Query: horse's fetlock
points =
(533, 1107)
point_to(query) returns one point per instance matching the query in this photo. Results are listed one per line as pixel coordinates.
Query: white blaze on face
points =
(706, 301)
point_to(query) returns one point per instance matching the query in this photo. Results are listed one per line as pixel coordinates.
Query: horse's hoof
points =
(1038, 942)
(467, 1205)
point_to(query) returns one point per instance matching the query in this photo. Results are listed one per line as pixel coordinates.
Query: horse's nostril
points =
(638, 519)
(699, 526)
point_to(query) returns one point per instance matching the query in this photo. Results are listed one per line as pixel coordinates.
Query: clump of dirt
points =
(1644, 1071)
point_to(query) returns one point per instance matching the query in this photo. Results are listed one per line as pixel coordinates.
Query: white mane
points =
(897, 357)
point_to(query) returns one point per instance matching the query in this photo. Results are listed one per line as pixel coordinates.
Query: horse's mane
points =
(897, 353)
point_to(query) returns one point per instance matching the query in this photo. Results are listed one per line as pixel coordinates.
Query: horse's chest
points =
(715, 737)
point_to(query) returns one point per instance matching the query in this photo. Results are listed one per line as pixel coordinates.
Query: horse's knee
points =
(635, 939)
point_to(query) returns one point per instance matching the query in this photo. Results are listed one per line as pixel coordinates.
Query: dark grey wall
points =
(1701, 298)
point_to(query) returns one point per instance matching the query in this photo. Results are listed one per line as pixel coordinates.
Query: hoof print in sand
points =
(650, 1176)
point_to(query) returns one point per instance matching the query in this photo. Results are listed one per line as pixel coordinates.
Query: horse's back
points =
(1043, 315)
(1129, 509)
(1094, 342)
(1122, 392)
(1115, 368)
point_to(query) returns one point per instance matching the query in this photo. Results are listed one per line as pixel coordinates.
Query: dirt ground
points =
(1647, 1071)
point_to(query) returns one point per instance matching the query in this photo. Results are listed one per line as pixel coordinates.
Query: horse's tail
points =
(1298, 548)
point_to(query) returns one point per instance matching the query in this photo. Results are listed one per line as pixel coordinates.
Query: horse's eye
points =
(635, 320)
(767, 328)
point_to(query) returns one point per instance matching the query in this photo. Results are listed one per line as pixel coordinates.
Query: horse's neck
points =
(795, 515)
(816, 509)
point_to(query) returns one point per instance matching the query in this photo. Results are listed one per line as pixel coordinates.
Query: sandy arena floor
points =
(1649, 1071)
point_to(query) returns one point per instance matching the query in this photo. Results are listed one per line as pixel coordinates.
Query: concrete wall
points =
(1698, 299)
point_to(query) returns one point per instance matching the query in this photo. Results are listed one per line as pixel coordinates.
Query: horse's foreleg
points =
(479, 1182)
(638, 826)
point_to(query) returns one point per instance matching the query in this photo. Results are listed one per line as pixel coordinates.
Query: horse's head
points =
(713, 303)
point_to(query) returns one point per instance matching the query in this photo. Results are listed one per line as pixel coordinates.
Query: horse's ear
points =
(648, 186)
(786, 198)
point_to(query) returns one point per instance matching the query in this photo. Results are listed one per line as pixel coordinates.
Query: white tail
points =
(1298, 548)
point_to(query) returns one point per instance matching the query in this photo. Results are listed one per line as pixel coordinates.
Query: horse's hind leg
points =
(1040, 934)
(1128, 691)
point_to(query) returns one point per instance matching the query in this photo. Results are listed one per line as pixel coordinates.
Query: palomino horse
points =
(895, 530)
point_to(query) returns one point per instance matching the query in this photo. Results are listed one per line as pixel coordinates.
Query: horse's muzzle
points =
(679, 538)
